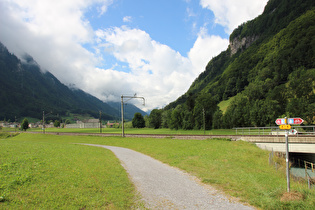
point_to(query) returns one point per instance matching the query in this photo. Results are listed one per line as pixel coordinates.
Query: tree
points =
(24, 124)
(138, 121)
(188, 120)
(238, 113)
(176, 118)
(204, 109)
(166, 118)
(57, 123)
(217, 121)
(155, 119)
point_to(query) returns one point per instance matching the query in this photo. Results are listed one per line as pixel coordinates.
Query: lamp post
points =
(122, 109)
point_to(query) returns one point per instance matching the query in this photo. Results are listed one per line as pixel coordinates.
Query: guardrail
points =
(310, 180)
(260, 131)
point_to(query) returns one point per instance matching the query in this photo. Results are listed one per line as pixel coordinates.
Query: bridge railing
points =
(274, 130)
(310, 180)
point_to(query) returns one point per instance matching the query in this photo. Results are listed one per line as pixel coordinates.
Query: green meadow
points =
(40, 171)
(138, 131)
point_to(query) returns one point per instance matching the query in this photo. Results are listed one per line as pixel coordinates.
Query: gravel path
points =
(164, 187)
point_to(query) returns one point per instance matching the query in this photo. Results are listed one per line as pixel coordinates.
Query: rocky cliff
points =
(242, 43)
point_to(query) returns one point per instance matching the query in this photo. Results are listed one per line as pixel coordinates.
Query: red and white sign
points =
(293, 132)
(280, 121)
(295, 121)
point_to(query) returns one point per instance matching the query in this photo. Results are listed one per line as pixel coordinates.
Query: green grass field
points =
(138, 131)
(46, 171)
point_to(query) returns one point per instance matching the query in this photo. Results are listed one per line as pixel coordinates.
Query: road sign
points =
(290, 121)
(281, 121)
(295, 121)
(293, 131)
(285, 127)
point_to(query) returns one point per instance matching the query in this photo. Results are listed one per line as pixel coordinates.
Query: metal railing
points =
(296, 130)
(310, 180)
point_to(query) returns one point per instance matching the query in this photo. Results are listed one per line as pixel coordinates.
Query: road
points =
(164, 187)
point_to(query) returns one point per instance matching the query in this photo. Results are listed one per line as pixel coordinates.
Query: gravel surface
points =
(164, 187)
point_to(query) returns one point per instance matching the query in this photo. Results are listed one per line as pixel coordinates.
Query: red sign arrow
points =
(295, 121)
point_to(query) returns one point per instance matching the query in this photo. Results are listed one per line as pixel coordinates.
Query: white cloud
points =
(104, 4)
(231, 13)
(205, 48)
(157, 71)
(54, 33)
(127, 19)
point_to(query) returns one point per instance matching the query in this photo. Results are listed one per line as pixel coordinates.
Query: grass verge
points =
(238, 168)
(140, 131)
(41, 172)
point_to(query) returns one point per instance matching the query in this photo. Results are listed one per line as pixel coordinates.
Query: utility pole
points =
(15, 124)
(204, 121)
(122, 110)
(100, 121)
(43, 122)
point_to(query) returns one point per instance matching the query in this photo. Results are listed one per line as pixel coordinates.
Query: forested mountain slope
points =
(25, 91)
(268, 71)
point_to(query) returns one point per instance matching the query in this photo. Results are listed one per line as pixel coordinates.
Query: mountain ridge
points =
(27, 91)
(258, 73)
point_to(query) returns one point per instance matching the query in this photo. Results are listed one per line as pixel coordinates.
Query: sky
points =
(109, 48)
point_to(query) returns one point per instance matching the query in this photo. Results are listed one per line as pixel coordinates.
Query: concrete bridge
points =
(297, 144)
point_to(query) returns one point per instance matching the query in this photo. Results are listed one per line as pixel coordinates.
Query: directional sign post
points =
(281, 121)
(287, 158)
(293, 131)
(285, 127)
(285, 124)
(295, 121)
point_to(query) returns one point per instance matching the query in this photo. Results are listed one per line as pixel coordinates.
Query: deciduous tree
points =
(138, 121)
(24, 125)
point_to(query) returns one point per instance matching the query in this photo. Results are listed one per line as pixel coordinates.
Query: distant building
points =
(90, 123)
(8, 124)
(111, 125)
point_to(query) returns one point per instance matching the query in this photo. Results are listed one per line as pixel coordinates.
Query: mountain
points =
(267, 71)
(26, 91)
(129, 109)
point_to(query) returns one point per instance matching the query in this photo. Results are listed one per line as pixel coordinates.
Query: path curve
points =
(164, 187)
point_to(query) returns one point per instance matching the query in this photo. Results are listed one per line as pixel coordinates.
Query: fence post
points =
(305, 166)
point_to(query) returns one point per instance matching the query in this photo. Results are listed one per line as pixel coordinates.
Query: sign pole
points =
(287, 159)
(285, 124)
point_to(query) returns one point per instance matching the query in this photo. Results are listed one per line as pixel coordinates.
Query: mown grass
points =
(140, 131)
(46, 172)
(238, 168)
